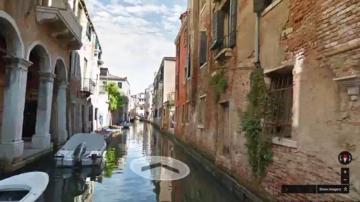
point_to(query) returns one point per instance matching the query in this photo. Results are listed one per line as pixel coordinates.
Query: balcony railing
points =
(88, 86)
(64, 24)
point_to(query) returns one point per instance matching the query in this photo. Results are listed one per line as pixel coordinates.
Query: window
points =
(223, 128)
(88, 31)
(120, 85)
(279, 122)
(201, 115)
(188, 62)
(224, 26)
(268, 2)
(96, 113)
(203, 48)
(90, 113)
(85, 67)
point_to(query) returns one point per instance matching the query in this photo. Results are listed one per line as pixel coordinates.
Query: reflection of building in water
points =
(165, 191)
(87, 196)
(68, 185)
(147, 140)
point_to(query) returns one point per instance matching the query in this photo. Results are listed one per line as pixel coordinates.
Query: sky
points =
(135, 35)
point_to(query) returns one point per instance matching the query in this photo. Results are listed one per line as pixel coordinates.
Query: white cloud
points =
(135, 35)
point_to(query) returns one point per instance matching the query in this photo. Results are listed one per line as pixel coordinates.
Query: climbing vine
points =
(219, 84)
(258, 144)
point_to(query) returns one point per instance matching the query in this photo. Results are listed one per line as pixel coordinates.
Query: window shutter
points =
(188, 61)
(218, 29)
(203, 47)
(232, 23)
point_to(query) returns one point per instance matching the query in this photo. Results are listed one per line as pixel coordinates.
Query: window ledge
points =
(284, 142)
(226, 52)
(270, 7)
(200, 126)
(204, 65)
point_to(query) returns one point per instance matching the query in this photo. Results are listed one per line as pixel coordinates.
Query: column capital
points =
(47, 76)
(17, 63)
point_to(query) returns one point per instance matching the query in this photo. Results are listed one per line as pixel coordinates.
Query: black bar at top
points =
(292, 189)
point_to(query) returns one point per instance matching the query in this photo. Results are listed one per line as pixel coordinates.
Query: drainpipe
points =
(257, 40)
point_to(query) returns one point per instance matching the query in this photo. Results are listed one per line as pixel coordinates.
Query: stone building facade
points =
(36, 40)
(40, 77)
(164, 93)
(309, 51)
(86, 63)
(118, 116)
(182, 62)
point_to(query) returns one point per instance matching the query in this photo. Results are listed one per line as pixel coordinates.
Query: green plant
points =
(258, 143)
(219, 84)
(116, 100)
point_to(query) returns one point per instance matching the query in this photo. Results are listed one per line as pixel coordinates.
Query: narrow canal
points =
(116, 182)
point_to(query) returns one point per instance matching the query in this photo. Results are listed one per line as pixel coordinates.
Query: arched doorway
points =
(58, 115)
(40, 61)
(13, 71)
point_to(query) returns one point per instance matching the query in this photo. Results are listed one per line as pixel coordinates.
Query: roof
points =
(169, 58)
(113, 78)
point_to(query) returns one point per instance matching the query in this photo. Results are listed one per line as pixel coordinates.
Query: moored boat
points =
(26, 187)
(82, 149)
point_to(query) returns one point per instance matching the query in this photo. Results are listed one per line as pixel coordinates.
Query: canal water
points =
(116, 182)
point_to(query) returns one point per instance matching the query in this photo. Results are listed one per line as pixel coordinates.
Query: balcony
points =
(61, 20)
(88, 87)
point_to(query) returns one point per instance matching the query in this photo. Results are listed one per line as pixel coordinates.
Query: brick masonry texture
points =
(325, 34)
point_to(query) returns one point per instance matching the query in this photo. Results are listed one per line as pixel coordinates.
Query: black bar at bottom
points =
(333, 189)
(315, 189)
(292, 189)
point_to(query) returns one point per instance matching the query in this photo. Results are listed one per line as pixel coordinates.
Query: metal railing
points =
(279, 121)
(88, 85)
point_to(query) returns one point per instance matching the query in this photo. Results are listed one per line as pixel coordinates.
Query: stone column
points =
(11, 143)
(42, 137)
(61, 111)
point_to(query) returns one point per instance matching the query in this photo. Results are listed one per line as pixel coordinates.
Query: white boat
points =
(82, 149)
(26, 187)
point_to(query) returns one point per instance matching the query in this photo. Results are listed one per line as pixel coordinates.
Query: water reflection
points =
(116, 182)
(115, 154)
(69, 185)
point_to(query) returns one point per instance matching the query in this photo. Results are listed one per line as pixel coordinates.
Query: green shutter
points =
(218, 29)
(232, 23)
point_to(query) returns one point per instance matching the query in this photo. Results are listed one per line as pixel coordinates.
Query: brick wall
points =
(324, 33)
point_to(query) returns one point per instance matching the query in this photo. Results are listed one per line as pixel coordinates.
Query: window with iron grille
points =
(279, 121)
